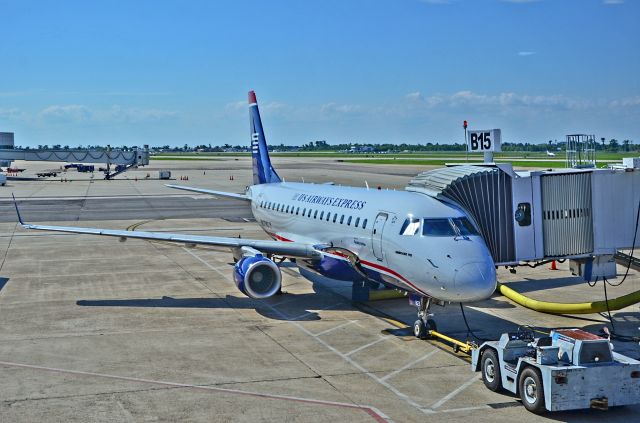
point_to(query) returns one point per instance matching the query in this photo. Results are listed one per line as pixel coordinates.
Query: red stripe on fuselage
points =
(379, 267)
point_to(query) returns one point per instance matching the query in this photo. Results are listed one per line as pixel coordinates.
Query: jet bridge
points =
(120, 159)
(585, 215)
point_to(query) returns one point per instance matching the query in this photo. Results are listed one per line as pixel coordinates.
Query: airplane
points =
(404, 240)
(550, 154)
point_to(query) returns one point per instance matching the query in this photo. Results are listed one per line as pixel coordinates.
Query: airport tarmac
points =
(94, 329)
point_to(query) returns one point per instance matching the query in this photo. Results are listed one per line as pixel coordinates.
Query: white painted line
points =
(355, 364)
(226, 276)
(453, 410)
(315, 311)
(324, 332)
(346, 358)
(288, 299)
(455, 392)
(372, 411)
(405, 367)
(380, 339)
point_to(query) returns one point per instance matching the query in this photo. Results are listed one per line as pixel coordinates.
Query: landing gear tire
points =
(423, 326)
(531, 391)
(420, 329)
(491, 370)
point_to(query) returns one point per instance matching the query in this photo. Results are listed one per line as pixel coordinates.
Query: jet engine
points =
(256, 276)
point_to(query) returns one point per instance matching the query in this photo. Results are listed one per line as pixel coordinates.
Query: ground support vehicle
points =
(568, 370)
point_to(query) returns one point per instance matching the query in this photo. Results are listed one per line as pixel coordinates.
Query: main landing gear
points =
(424, 324)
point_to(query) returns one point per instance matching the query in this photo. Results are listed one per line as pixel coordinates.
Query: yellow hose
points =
(569, 308)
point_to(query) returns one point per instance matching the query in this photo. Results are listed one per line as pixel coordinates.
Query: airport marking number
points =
(480, 140)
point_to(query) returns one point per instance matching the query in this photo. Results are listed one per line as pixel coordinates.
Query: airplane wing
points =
(212, 192)
(289, 249)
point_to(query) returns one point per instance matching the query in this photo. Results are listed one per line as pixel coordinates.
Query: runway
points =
(125, 208)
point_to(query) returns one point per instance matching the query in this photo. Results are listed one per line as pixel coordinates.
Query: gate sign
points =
(487, 140)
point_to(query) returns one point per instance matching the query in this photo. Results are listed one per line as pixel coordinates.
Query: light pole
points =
(466, 143)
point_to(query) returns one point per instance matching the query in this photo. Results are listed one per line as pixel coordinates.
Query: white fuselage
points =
(368, 223)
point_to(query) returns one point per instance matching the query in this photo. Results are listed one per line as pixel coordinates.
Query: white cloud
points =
(80, 114)
(11, 113)
(66, 113)
(526, 53)
(235, 106)
(414, 96)
(340, 108)
(626, 102)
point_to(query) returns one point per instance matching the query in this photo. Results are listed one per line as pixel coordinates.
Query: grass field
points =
(440, 162)
(510, 155)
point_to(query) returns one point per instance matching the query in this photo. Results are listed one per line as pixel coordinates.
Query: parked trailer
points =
(86, 168)
(570, 369)
(46, 174)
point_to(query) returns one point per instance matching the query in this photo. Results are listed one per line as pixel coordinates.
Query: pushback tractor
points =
(570, 369)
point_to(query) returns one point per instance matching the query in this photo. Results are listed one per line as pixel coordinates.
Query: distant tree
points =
(613, 144)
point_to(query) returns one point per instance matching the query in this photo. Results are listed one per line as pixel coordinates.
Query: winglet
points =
(15, 203)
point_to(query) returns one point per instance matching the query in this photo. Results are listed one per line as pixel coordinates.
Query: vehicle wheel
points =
(419, 329)
(531, 390)
(490, 366)
(431, 325)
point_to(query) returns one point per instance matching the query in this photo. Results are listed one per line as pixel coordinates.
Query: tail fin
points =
(263, 172)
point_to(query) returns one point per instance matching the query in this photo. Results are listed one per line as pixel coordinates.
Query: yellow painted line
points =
(395, 323)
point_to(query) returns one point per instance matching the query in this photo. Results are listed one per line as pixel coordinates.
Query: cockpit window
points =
(464, 226)
(437, 227)
(411, 226)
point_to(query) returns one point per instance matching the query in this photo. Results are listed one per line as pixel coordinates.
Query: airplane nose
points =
(474, 281)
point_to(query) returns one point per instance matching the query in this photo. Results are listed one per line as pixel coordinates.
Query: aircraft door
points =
(376, 235)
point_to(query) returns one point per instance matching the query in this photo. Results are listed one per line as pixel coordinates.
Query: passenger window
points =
(523, 214)
(335, 216)
(341, 219)
(321, 215)
(437, 227)
(309, 214)
(287, 210)
(349, 221)
(315, 214)
(411, 226)
(364, 224)
(328, 216)
(464, 226)
(297, 210)
(304, 212)
(357, 221)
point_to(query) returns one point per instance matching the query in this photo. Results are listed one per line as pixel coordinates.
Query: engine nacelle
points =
(257, 277)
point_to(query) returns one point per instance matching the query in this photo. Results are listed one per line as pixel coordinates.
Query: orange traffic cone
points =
(553, 266)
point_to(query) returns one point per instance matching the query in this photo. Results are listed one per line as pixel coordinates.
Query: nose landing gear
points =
(424, 324)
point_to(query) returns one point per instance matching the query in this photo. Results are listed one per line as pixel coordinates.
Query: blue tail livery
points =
(263, 172)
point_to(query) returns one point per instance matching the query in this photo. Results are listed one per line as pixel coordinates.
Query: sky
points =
(178, 72)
